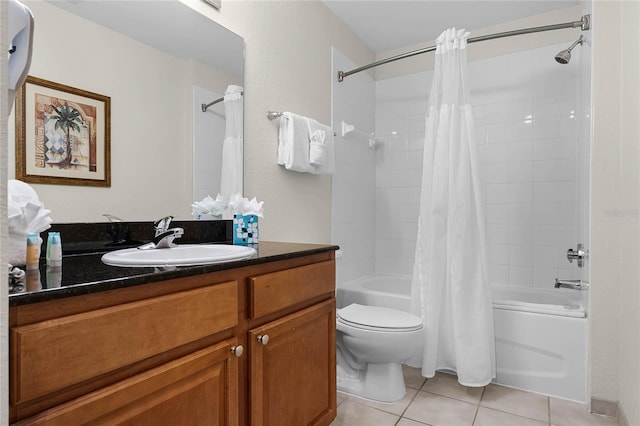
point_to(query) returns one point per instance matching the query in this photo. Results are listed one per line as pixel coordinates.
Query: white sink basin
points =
(182, 255)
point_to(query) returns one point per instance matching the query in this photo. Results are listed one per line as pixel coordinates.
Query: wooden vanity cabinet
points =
(189, 351)
(292, 365)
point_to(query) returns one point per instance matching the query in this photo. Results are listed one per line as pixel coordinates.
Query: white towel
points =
(321, 148)
(293, 143)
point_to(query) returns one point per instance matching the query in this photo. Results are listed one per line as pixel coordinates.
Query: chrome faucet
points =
(162, 225)
(164, 236)
(572, 284)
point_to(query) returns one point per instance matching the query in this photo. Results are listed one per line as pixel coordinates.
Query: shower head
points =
(564, 56)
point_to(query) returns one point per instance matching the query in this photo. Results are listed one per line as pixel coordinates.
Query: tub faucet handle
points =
(580, 255)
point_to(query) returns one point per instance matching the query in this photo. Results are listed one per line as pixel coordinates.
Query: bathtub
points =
(541, 335)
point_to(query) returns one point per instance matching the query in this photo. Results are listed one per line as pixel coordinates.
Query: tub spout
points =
(572, 284)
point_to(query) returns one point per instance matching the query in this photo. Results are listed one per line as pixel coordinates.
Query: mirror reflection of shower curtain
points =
(232, 147)
(450, 288)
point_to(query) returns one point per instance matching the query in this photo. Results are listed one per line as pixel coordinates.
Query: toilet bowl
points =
(372, 342)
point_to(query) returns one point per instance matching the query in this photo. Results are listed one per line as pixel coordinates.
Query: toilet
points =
(371, 343)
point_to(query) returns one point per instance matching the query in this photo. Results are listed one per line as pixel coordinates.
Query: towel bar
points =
(272, 115)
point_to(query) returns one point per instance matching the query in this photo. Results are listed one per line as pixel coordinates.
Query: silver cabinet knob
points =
(237, 350)
(264, 339)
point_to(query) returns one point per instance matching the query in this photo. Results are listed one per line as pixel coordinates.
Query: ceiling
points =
(389, 24)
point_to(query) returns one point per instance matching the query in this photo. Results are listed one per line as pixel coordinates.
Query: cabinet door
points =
(293, 370)
(198, 389)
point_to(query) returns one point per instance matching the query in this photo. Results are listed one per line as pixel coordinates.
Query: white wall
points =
(287, 68)
(615, 274)
(353, 195)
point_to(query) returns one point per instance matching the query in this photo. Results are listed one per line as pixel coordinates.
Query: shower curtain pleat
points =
(450, 288)
(232, 146)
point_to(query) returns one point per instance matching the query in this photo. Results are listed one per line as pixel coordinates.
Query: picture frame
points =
(62, 135)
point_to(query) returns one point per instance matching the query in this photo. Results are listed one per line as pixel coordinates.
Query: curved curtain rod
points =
(205, 107)
(584, 23)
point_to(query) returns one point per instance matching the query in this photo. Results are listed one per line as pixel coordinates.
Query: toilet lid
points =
(378, 317)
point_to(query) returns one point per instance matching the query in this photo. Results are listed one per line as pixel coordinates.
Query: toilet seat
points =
(378, 319)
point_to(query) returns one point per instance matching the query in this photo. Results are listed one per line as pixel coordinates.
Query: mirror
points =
(158, 61)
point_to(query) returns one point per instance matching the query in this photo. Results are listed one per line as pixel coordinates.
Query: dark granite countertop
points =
(85, 273)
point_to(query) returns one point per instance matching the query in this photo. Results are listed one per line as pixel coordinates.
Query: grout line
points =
(475, 416)
(410, 402)
(549, 410)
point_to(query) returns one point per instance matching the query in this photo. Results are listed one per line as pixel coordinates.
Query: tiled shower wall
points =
(353, 196)
(525, 107)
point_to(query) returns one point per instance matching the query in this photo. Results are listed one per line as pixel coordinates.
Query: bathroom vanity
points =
(250, 342)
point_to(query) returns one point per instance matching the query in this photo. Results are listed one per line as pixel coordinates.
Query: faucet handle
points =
(162, 225)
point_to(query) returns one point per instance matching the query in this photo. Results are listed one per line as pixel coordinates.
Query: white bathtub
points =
(541, 335)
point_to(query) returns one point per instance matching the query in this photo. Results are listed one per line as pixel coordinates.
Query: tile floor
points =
(441, 401)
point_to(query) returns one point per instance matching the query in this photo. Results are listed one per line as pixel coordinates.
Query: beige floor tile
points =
(489, 417)
(437, 410)
(412, 377)
(567, 413)
(408, 422)
(396, 408)
(341, 397)
(447, 385)
(516, 402)
(353, 414)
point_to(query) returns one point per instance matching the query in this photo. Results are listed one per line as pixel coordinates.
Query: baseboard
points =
(622, 418)
(604, 407)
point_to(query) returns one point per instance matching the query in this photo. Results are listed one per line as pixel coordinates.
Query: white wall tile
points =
(520, 131)
(521, 255)
(545, 193)
(497, 153)
(521, 235)
(545, 171)
(497, 213)
(545, 149)
(520, 151)
(520, 193)
(545, 235)
(497, 234)
(497, 193)
(498, 254)
(521, 275)
(497, 173)
(546, 127)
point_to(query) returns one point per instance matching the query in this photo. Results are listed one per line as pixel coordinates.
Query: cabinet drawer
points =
(198, 389)
(274, 291)
(54, 354)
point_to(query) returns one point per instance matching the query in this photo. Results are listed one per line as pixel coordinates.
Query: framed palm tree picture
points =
(62, 135)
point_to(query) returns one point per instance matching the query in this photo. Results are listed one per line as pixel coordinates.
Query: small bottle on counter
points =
(54, 250)
(33, 251)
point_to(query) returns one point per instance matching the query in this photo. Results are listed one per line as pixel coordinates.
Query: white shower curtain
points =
(232, 147)
(450, 289)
